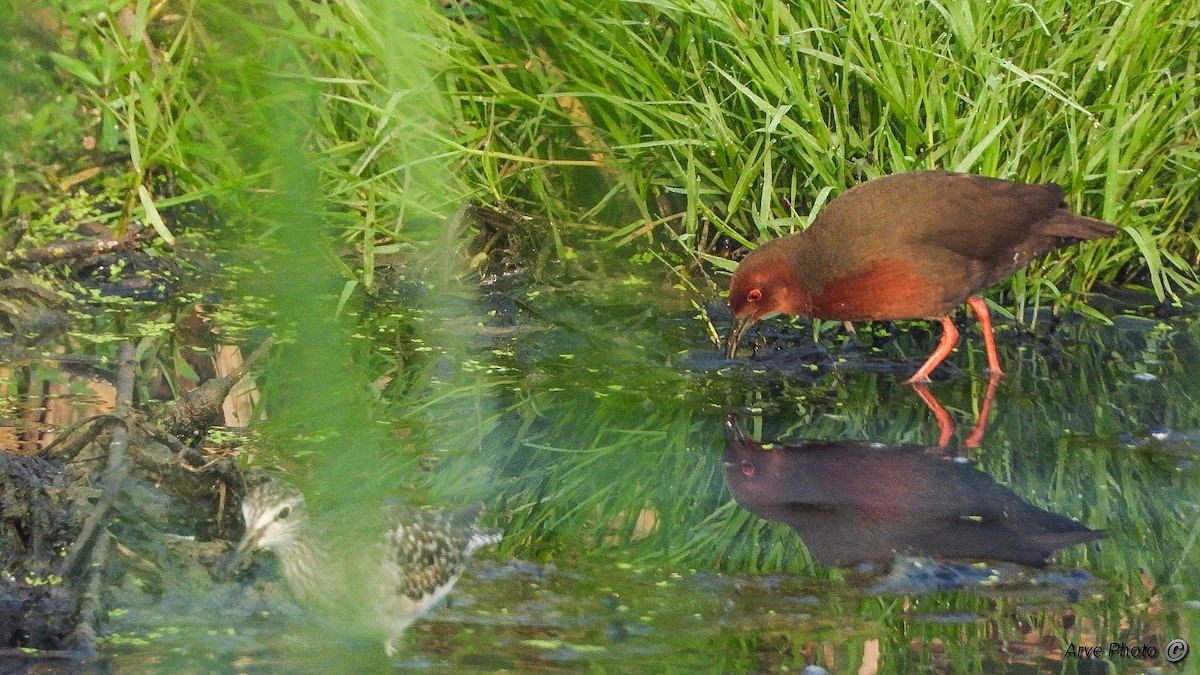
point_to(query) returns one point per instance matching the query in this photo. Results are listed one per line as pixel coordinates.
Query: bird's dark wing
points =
(426, 548)
(976, 217)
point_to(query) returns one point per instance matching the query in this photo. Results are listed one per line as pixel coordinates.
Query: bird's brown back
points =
(920, 243)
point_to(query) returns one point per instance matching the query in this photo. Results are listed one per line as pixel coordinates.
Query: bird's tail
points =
(468, 517)
(1047, 543)
(1069, 225)
(481, 538)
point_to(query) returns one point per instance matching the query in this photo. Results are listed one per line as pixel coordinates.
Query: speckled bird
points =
(419, 559)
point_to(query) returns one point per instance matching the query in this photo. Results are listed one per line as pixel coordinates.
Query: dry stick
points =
(190, 412)
(91, 608)
(70, 359)
(64, 250)
(248, 362)
(116, 470)
(176, 415)
(96, 424)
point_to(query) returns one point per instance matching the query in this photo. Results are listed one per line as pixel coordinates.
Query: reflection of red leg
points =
(976, 436)
(949, 339)
(945, 424)
(989, 341)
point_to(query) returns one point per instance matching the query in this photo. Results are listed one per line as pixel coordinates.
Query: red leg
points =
(976, 436)
(944, 422)
(949, 339)
(989, 342)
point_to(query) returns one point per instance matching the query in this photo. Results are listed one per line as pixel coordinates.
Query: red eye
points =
(754, 295)
(747, 465)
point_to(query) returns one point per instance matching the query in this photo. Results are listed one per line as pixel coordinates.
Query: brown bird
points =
(907, 246)
(854, 502)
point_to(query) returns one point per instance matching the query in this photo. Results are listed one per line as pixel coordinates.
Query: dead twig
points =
(190, 415)
(185, 454)
(96, 425)
(68, 250)
(91, 606)
(116, 470)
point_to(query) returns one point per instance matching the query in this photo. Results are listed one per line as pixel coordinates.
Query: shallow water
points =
(590, 417)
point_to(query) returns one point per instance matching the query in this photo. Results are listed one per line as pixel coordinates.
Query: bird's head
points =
(274, 514)
(764, 284)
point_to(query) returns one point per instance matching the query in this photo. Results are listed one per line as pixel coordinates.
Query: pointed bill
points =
(737, 327)
(248, 543)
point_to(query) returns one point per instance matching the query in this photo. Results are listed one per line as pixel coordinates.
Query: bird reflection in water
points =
(853, 502)
(946, 423)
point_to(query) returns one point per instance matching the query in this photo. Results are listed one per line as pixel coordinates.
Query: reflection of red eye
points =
(754, 295)
(747, 465)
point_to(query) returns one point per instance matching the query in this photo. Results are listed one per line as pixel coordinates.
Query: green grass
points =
(741, 119)
(668, 127)
(674, 130)
(676, 127)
